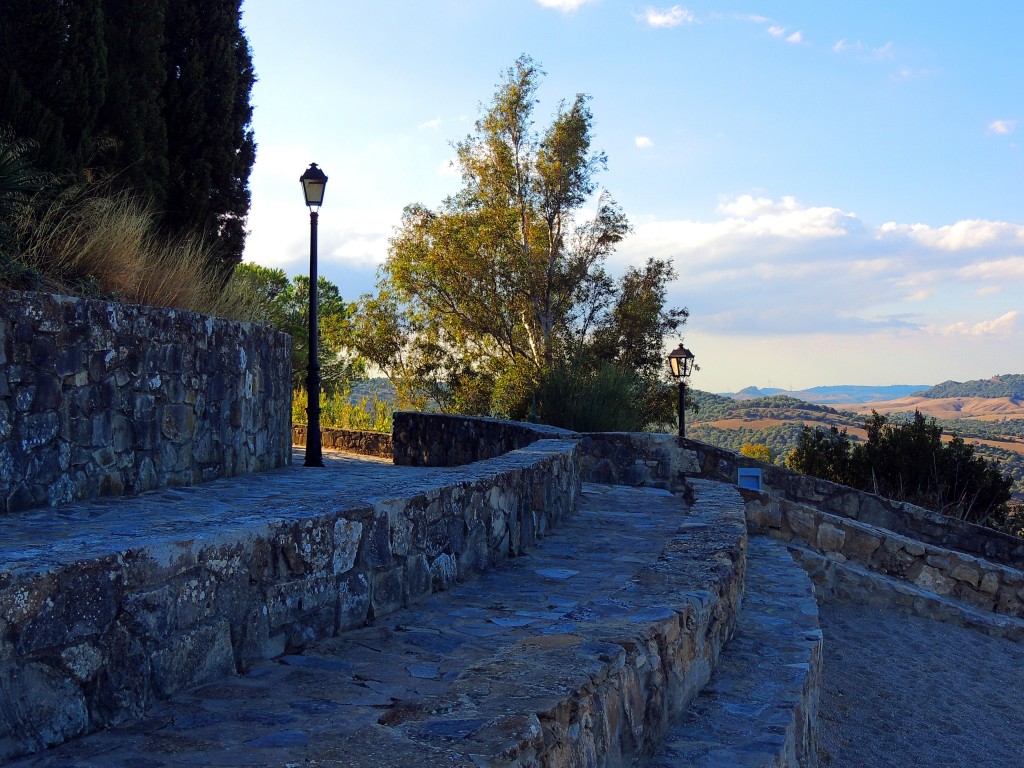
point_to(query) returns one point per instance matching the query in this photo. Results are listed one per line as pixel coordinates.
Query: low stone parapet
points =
(103, 616)
(980, 583)
(364, 443)
(444, 440)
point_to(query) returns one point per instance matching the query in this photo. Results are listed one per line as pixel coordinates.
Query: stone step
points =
(850, 581)
(581, 652)
(760, 707)
(969, 580)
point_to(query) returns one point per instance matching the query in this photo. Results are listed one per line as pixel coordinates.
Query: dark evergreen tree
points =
(132, 128)
(53, 75)
(210, 142)
(154, 93)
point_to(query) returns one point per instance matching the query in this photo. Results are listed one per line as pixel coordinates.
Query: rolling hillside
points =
(995, 425)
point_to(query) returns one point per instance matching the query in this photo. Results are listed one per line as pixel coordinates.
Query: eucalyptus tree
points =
(483, 298)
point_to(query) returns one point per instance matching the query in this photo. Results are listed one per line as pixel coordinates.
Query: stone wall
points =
(666, 461)
(443, 440)
(98, 398)
(86, 644)
(982, 584)
(349, 440)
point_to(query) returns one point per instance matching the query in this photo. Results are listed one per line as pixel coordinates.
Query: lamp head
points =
(314, 181)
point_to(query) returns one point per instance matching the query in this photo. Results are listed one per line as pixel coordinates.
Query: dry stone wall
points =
(349, 440)
(98, 398)
(89, 643)
(443, 440)
(666, 461)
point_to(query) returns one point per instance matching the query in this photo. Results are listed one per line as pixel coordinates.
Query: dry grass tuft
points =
(88, 244)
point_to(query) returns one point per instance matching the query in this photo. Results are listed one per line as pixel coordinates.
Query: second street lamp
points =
(313, 184)
(680, 360)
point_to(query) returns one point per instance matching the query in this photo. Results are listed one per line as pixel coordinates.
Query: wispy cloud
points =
(566, 6)
(667, 17)
(796, 37)
(1002, 127)
(1004, 325)
(845, 46)
(643, 142)
(776, 31)
(766, 266)
(430, 125)
(886, 51)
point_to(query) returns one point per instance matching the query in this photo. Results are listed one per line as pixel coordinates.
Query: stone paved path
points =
(42, 538)
(903, 691)
(314, 709)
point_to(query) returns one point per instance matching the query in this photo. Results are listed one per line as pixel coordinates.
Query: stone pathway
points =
(761, 700)
(901, 691)
(323, 708)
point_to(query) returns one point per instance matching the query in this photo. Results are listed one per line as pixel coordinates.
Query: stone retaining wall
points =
(443, 440)
(91, 643)
(990, 586)
(666, 461)
(98, 398)
(349, 440)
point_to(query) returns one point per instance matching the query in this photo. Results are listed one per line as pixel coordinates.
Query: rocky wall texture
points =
(98, 398)
(87, 643)
(666, 461)
(637, 459)
(977, 582)
(349, 440)
(443, 440)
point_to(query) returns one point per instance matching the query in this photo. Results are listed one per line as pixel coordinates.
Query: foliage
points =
(1007, 385)
(908, 462)
(88, 243)
(498, 302)
(345, 409)
(19, 181)
(758, 451)
(151, 94)
(284, 304)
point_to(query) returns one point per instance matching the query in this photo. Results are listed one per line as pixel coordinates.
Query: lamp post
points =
(313, 183)
(680, 360)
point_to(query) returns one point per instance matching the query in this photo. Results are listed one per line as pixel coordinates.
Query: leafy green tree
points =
(284, 304)
(909, 462)
(758, 451)
(822, 454)
(489, 302)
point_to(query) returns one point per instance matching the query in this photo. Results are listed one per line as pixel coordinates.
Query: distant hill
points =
(994, 425)
(1010, 385)
(834, 395)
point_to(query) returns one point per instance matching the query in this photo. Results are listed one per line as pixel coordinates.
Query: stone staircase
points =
(588, 650)
(854, 561)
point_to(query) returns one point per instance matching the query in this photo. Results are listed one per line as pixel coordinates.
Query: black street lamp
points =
(313, 183)
(681, 361)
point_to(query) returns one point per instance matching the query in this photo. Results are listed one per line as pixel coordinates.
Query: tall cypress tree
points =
(211, 148)
(155, 92)
(53, 75)
(132, 127)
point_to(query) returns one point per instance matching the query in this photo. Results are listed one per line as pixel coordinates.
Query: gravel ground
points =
(905, 691)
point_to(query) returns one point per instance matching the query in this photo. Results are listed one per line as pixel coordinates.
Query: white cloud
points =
(430, 124)
(842, 46)
(776, 31)
(566, 6)
(1002, 127)
(768, 266)
(887, 51)
(796, 37)
(756, 19)
(1004, 325)
(643, 142)
(668, 17)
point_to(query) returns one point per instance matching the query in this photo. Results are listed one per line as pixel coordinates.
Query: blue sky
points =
(839, 184)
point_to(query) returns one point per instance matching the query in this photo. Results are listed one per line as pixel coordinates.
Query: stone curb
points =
(760, 707)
